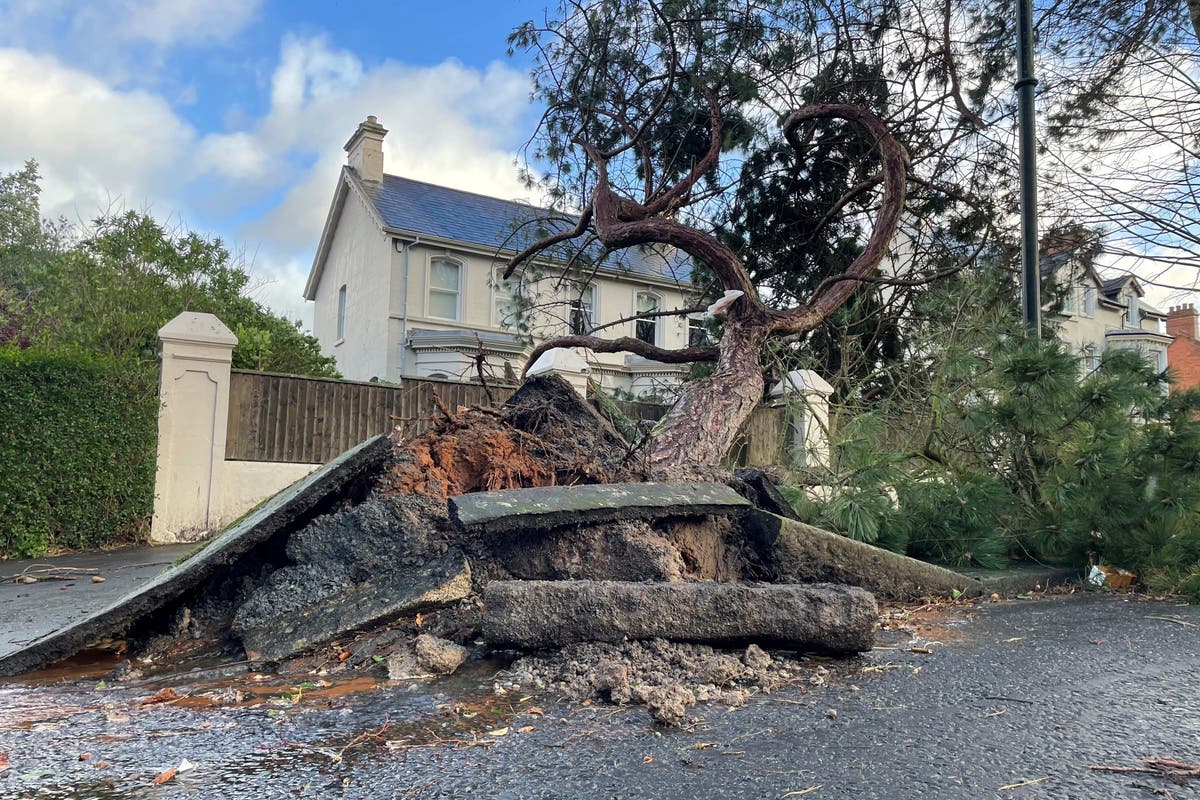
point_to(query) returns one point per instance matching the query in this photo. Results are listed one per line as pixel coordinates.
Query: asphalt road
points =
(1017, 701)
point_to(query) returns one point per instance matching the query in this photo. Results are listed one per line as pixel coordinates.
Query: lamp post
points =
(1031, 304)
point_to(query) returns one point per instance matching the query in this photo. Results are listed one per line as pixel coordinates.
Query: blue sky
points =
(228, 116)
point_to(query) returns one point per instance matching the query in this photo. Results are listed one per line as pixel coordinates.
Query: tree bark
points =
(708, 415)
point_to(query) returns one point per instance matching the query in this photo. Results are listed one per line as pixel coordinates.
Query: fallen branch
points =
(1166, 767)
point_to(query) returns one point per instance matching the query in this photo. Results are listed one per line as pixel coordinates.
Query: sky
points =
(228, 117)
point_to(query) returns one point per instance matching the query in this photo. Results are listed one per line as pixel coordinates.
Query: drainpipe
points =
(403, 246)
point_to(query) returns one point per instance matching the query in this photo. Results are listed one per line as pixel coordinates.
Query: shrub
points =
(77, 451)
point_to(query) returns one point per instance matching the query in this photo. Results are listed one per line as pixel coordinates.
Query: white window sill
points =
(339, 342)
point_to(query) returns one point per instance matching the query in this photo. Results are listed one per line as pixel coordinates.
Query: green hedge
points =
(77, 452)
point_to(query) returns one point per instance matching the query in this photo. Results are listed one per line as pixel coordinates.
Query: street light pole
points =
(1031, 304)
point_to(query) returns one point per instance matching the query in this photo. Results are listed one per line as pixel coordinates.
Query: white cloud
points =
(93, 142)
(101, 23)
(448, 123)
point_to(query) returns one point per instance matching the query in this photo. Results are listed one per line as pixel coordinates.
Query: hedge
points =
(77, 452)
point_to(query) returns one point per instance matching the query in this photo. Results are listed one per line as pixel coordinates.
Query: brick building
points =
(1183, 354)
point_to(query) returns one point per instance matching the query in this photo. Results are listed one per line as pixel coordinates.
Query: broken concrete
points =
(261, 528)
(624, 551)
(558, 506)
(757, 486)
(373, 601)
(532, 615)
(793, 552)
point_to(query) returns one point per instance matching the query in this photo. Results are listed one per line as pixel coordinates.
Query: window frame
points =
(1089, 300)
(653, 321)
(430, 289)
(576, 306)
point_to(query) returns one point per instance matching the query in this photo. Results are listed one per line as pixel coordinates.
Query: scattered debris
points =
(1110, 577)
(1171, 768)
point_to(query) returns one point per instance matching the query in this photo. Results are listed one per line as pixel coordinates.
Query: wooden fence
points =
(300, 420)
(312, 420)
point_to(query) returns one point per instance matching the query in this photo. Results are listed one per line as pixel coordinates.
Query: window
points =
(583, 310)
(647, 329)
(341, 326)
(444, 277)
(507, 294)
(1068, 300)
(1089, 300)
(1135, 313)
(698, 332)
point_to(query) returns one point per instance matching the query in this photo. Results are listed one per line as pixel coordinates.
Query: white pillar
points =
(807, 396)
(197, 350)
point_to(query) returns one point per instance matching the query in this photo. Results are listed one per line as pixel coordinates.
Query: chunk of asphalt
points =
(377, 600)
(793, 552)
(289, 509)
(552, 507)
(534, 615)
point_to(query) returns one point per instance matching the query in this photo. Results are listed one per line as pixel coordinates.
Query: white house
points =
(406, 282)
(1093, 314)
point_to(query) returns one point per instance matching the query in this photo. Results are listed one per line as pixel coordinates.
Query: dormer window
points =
(1135, 313)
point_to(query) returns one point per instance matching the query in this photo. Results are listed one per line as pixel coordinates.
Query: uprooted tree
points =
(656, 92)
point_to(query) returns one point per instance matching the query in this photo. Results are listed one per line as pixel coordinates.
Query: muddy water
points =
(259, 736)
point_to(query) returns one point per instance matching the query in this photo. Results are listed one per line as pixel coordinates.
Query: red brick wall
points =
(1183, 357)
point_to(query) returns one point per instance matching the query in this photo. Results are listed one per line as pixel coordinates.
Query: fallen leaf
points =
(4, 761)
(525, 729)
(164, 776)
(420, 620)
(647, 759)
(98, 579)
(85, 756)
(535, 711)
(497, 732)
(101, 765)
(185, 766)
(162, 696)
(342, 656)
(703, 745)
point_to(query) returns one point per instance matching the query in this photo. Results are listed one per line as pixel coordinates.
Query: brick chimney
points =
(1181, 321)
(365, 150)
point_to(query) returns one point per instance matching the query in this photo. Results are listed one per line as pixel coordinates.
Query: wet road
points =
(1022, 692)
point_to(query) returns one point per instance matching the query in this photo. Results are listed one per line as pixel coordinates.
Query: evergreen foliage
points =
(1015, 451)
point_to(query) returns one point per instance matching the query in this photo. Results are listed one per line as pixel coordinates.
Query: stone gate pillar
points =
(807, 397)
(197, 351)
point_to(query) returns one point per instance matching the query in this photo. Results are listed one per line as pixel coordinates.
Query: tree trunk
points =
(700, 428)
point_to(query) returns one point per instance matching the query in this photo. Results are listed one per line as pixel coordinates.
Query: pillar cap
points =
(802, 381)
(194, 326)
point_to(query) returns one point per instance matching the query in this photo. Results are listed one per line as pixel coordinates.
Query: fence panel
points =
(311, 420)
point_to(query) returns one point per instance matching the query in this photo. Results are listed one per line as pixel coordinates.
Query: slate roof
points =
(424, 208)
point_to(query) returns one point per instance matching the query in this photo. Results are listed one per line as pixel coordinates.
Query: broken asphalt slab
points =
(285, 511)
(797, 553)
(370, 602)
(552, 507)
(533, 615)
(29, 611)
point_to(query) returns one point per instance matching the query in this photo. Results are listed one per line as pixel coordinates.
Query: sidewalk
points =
(30, 610)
